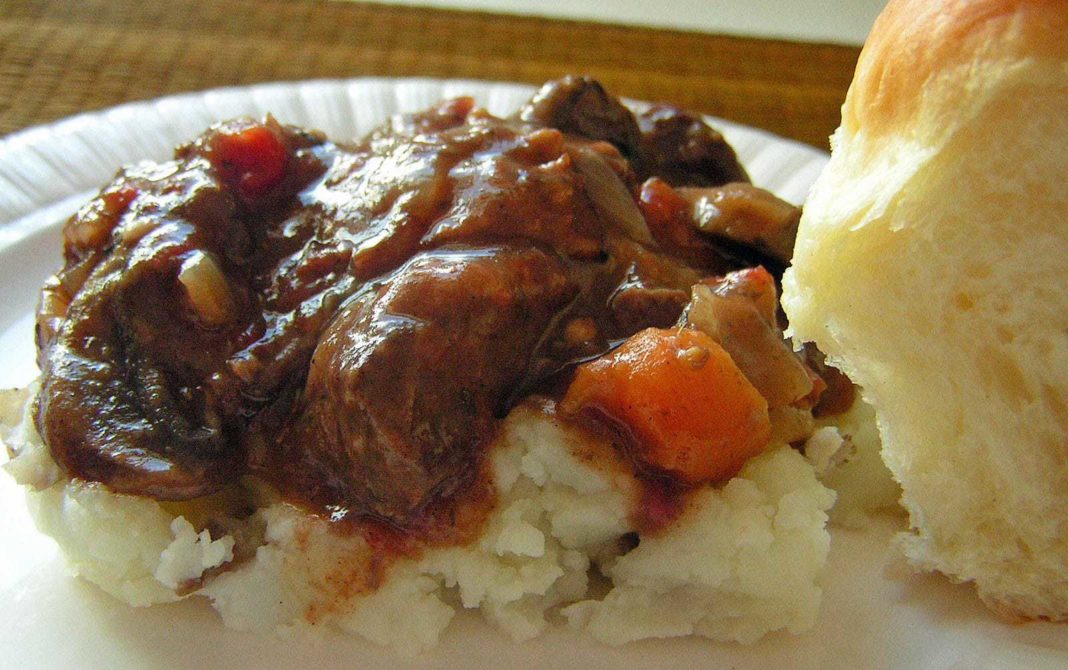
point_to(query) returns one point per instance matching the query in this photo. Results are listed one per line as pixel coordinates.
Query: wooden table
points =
(61, 57)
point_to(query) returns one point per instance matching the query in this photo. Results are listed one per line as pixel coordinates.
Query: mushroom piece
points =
(748, 215)
(738, 311)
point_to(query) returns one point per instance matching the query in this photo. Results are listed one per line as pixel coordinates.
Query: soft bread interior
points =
(931, 266)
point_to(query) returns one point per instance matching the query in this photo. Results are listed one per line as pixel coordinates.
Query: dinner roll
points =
(932, 265)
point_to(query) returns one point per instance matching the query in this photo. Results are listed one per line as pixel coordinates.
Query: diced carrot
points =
(686, 406)
(251, 159)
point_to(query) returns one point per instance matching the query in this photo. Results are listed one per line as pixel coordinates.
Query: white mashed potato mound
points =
(743, 560)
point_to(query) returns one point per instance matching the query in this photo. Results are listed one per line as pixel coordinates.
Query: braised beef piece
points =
(349, 322)
(135, 391)
(661, 141)
(580, 106)
(683, 150)
(409, 372)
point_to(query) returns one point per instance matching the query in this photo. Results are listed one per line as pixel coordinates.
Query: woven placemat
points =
(62, 57)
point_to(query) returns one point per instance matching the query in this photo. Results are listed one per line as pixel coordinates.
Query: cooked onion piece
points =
(205, 285)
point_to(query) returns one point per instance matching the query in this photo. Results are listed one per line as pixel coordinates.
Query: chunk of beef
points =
(683, 150)
(661, 141)
(580, 106)
(157, 294)
(119, 403)
(636, 305)
(405, 383)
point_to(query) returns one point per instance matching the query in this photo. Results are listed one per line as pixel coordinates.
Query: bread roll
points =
(932, 266)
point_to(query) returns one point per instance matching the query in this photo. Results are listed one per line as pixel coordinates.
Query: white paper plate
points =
(49, 620)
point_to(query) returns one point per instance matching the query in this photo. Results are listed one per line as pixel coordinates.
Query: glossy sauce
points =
(350, 322)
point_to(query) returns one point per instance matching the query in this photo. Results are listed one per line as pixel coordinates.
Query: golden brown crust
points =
(915, 42)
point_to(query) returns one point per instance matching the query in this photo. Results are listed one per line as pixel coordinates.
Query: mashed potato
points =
(742, 560)
(846, 452)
